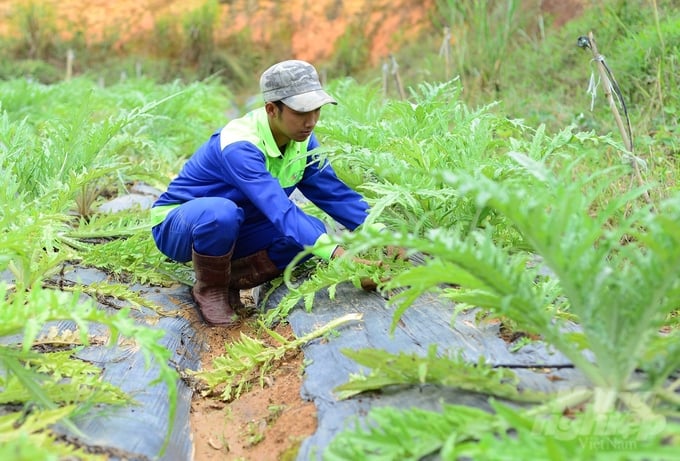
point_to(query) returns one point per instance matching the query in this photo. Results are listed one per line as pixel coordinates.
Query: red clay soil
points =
(312, 28)
(264, 424)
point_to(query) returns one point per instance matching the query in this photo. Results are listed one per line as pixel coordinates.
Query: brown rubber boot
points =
(252, 271)
(211, 290)
(249, 272)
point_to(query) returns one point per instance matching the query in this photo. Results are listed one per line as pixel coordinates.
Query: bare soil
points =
(265, 423)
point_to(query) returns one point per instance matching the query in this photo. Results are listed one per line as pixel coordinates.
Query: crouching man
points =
(228, 210)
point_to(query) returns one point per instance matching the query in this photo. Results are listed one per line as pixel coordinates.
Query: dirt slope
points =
(313, 27)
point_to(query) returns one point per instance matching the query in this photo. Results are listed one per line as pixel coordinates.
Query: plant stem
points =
(333, 324)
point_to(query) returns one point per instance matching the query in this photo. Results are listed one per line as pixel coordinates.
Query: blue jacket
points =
(242, 163)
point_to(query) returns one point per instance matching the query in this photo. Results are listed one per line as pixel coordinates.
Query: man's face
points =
(287, 124)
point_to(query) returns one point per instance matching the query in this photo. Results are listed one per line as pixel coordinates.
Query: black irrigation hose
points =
(533, 365)
(560, 366)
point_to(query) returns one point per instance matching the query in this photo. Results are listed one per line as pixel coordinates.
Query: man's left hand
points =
(396, 253)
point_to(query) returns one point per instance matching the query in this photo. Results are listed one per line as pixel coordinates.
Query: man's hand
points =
(392, 252)
(367, 283)
(396, 253)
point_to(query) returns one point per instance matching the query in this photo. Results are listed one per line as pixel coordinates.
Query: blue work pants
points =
(213, 225)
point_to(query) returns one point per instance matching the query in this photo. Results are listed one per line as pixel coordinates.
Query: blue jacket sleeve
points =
(244, 167)
(322, 186)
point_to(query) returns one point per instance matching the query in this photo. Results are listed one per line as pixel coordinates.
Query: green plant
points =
(26, 436)
(520, 343)
(96, 149)
(613, 274)
(58, 383)
(526, 200)
(387, 150)
(249, 359)
(253, 435)
(449, 370)
(463, 432)
(651, 68)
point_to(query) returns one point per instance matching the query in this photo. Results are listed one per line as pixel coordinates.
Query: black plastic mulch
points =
(138, 432)
(428, 321)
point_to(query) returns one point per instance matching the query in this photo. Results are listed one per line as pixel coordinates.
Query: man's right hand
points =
(367, 283)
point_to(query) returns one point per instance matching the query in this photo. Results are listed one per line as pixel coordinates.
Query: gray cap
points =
(296, 84)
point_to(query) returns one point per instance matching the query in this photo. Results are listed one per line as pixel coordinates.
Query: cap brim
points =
(307, 102)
